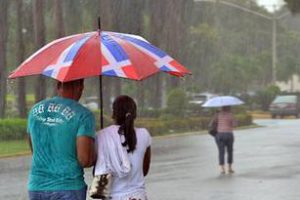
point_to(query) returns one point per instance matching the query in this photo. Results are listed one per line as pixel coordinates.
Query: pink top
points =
(226, 122)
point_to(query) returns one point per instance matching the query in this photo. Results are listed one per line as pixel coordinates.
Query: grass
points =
(29, 97)
(13, 148)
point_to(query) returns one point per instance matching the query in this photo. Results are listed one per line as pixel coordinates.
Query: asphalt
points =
(267, 167)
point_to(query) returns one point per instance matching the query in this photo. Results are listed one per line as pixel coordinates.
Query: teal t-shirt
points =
(54, 125)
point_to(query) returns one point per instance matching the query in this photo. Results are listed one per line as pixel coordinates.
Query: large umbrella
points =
(220, 101)
(99, 53)
(89, 54)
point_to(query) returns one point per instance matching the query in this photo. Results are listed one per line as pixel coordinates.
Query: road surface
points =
(267, 167)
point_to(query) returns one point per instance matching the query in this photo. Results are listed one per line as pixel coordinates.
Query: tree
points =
(156, 25)
(234, 74)
(22, 108)
(288, 55)
(121, 16)
(39, 35)
(175, 28)
(58, 19)
(107, 23)
(265, 96)
(177, 102)
(293, 5)
(3, 39)
(221, 36)
(204, 45)
(73, 16)
(131, 21)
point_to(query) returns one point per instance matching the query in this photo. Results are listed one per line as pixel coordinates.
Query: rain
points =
(249, 49)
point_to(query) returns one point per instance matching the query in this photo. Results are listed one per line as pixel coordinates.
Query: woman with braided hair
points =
(127, 153)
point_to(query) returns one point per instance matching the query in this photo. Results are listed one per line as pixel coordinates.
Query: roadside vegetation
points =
(228, 51)
(177, 117)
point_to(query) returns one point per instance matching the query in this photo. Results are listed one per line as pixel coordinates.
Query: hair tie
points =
(127, 114)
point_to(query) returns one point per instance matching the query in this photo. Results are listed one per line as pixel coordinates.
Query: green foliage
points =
(226, 49)
(205, 32)
(166, 126)
(234, 73)
(288, 56)
(150, 113)
(244, 119)
(293, 5)
(242, 109)
(129, 87)
(265, 97)
(231, 50)
(11, 100)
(176, 102)
(13, 129)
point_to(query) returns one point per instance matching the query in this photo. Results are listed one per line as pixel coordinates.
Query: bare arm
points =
(85, 151)
(147, 160)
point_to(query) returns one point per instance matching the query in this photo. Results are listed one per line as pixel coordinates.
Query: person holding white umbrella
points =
(225, 123)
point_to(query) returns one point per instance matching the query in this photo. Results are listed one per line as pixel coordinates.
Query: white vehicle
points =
(201, 98)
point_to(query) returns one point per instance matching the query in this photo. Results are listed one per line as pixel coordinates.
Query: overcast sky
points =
(269, 4)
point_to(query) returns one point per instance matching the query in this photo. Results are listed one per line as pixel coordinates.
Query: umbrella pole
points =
(100, 82)
(101, 102)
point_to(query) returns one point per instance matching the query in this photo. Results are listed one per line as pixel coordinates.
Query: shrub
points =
(163, 127)
(150, 113)
(244, 119)
(13, 129)
(176, 102)
(266, 96)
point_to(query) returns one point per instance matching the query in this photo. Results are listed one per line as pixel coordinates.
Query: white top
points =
(134, 182)
(112, 157)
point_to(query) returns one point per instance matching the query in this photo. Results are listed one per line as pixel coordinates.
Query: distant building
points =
(293, 85)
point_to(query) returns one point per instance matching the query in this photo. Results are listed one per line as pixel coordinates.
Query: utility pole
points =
(274, 48)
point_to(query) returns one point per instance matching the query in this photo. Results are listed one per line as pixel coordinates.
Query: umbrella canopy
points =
(223, 101)
(99, 53)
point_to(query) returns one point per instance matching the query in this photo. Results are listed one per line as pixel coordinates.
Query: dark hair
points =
(226, 108)
(69, 83)
(124, 114)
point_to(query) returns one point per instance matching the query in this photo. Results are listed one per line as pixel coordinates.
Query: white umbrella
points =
(223, 101)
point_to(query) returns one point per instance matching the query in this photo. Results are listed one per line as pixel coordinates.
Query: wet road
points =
(267, 167)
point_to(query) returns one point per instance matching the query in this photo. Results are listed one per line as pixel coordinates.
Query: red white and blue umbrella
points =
(100, 54)
(87, 54)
